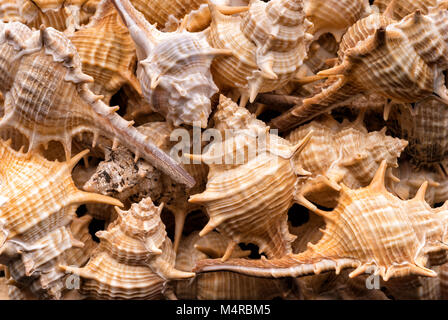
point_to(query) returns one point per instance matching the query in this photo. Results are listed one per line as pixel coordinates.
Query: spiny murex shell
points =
(249, 193)
(369, 229)
(134, 259)
(48, 62)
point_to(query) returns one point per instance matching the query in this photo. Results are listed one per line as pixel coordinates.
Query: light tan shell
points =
(48, 62)
(173, 69)
(340, 152)
(334, 16)
(268, 44)
(403, 61)
(110, 65)
(399, 9)
(221, 285)
(424, 125)
(39, 201)
(59, 14)
(9, 11)
(249, 193)
(411, 179)
(80, 229)
(370, 229)
(134, 259)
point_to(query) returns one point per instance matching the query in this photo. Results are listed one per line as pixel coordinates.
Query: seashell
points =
(111, 66)
(408, 231)
(80, 230)
(411, 179)
(134, 259)
(49, 63)
(269, 43)
(398, 9)
(334, 16)
(58, 14)
(221, 285)
(173, 70)
(423, 125)
(39, 201)
(407, 66)
(414, 287)
(249, 192)
(340, 152)
(119, 176)
(9, 11)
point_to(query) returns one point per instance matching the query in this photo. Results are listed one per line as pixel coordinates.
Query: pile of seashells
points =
(292, 149)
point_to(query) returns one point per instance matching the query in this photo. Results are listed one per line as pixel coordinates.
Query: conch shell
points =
(402, 61)
(48, 62)
(249, 193)
(173, 69)
(134, 259)
(340, 152)
(268, 43)
(369, 229)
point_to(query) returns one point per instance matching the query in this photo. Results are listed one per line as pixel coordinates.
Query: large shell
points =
(249, 192)
(340, 152)
(39, 201)
(49, 63)
(334, 16)
(134, 259)
(369, 229)
(174, 69)
(221, 285)
(110, 65)
(425, 126)
(403, 61)
(268, 44)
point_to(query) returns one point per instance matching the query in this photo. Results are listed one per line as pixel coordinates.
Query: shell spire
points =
(351, 239)
(134, 259)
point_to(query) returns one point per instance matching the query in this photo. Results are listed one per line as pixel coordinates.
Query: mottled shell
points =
(111, 65)
(412, 178)
(249, 193)
(370, 229)
(49, 63)
(268, 44)
(173, 69)
(425, 126)
(221, 285)
(134, 259)
(340, 152)
(402, 61)
(334, 16)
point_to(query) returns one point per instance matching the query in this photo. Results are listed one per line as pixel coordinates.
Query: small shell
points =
(110, 65)
(268, 45)
(340, 152)
(369, 229)
(248, 193)
(221, 285)
(134, 259)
